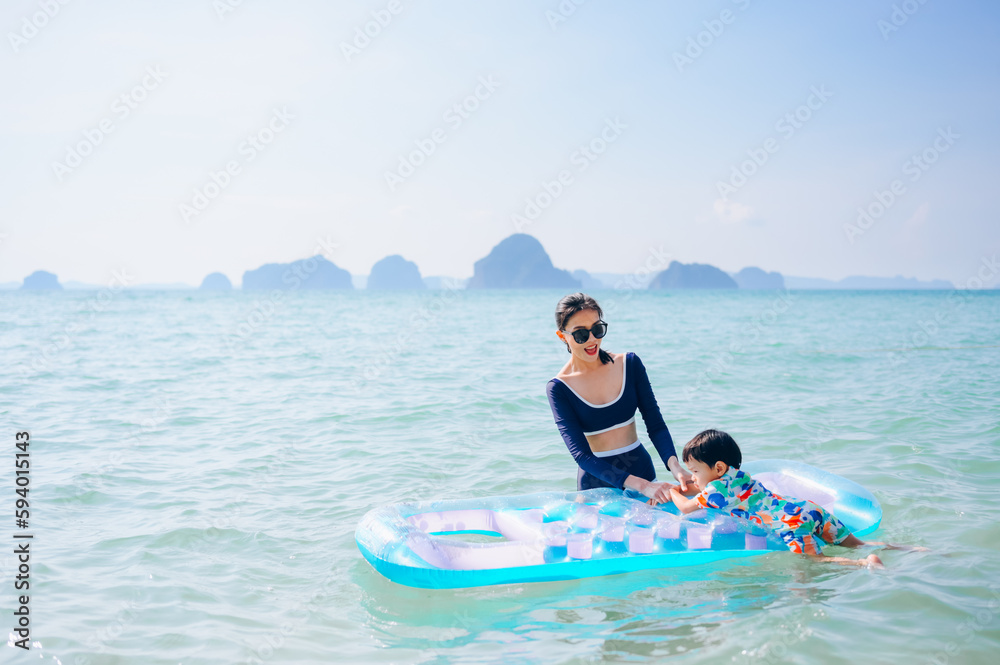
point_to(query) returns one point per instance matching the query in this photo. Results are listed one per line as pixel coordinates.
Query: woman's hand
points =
(651, 489)
(684, 479)
(662, 494)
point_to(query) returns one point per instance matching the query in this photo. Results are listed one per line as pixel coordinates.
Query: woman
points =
(593, 400)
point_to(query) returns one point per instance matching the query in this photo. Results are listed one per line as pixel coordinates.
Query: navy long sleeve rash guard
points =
(576, 418)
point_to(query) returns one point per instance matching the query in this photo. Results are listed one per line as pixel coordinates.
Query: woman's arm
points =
(682, 476)
(655, 427)
(647, 488)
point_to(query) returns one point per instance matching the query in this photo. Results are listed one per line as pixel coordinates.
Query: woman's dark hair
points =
(570, 305)
(713, 446)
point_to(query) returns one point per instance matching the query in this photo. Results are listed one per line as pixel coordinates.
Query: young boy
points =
(714, 460)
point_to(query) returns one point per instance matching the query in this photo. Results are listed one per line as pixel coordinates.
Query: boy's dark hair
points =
(713, 446)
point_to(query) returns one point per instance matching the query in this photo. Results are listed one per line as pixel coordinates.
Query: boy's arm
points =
(715, 495)
(667, 492)
(683, 503)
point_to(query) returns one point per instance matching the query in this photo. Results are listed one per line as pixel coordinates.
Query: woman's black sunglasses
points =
(581, 335)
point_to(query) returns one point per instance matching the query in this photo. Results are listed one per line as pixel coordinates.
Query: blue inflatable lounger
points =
(568, 535)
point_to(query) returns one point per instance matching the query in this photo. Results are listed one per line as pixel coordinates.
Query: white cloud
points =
(731, 212)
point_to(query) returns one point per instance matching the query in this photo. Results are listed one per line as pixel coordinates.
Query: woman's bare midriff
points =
(600, 388)
(613, 439)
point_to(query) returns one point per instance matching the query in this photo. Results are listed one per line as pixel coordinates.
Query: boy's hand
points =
(683, 503)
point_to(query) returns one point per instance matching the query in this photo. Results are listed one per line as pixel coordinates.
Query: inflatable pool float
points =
(568, 535)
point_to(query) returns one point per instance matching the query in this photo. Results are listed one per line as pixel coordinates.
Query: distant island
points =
(588, 281)
(216, 282)
(520, 262)
(692, 276)
(395, 272)
(313, 273)
(517, 262)
(755, 278)
(41, 280)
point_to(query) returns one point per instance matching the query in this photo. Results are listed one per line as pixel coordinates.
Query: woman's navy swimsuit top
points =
(576, 418)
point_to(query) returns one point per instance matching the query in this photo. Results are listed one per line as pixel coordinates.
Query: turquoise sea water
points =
(200, 461)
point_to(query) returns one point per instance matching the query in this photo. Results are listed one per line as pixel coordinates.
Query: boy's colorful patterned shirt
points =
(739, 494)
(798, 522)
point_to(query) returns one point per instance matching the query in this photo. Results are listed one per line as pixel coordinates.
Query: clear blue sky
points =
(681, 129)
